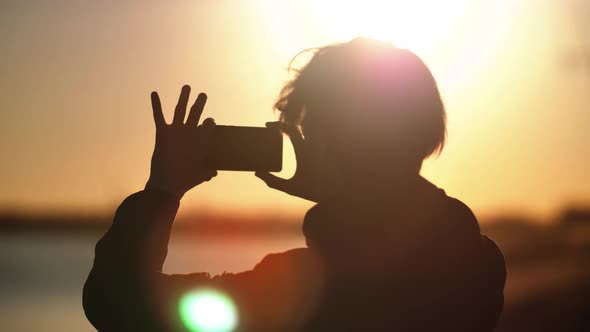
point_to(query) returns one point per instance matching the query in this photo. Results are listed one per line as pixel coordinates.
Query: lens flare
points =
(208, 310)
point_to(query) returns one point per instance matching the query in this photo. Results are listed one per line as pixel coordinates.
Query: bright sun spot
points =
(412, 24)
(458, 36)
(208, 310)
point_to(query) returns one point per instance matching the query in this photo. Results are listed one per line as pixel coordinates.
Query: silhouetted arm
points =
(474, 273)
(127, 257)
(127, 291)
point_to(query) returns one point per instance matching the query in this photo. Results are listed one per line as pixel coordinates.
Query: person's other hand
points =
(304, 182)
(178, 162)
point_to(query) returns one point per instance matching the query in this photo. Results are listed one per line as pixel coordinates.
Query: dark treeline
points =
(190, 224)
(571, 226)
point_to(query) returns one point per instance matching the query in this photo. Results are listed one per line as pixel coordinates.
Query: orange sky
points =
(76, 122)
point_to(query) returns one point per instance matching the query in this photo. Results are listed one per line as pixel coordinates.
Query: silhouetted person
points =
(386, 249)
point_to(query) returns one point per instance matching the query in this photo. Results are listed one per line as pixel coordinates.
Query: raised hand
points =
(304, 182)
(178, 162)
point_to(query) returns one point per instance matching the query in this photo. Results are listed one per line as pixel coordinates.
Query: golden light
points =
(457, 35)
(416, 24)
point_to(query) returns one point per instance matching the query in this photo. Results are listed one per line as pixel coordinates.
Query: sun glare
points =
(458, 35)
(208, 310)
(417, 24)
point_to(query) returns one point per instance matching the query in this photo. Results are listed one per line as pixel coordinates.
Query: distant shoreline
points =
(10, 224)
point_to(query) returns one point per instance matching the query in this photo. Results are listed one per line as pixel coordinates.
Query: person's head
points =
(369, 105)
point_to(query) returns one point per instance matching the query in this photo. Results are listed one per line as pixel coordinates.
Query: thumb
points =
(210, 174)
(209, 122)
(272, 180)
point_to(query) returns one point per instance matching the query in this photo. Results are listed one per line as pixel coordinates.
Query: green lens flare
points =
(208, 310)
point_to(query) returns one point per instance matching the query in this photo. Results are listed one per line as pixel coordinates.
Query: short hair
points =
(394, 86)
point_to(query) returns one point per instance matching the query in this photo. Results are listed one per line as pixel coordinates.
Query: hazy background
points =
(77, 134)
(76, 121)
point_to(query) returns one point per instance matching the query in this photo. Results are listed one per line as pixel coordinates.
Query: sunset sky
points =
(76, 123)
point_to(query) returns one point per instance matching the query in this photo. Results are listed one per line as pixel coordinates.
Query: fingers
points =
(157, 110)
(180, 110)
(273, 181)
(290, 131)
(294, 135)
(273, 124)
(197, 110)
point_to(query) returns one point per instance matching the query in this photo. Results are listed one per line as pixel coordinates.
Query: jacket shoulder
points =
(462, 216)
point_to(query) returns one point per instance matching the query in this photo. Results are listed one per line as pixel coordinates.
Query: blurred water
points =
(43, 273)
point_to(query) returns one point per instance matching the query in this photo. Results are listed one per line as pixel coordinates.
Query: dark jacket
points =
(430, 270)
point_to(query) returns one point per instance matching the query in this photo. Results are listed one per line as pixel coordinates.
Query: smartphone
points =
(247, 149)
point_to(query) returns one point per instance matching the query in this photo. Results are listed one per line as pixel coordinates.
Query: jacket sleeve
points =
(481, 272)
(127, 291)
(127, 259)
